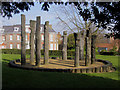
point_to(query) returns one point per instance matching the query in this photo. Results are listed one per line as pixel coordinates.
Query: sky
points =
(32, 14)
(51, 16)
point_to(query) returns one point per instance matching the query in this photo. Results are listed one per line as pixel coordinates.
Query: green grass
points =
(19, 78)
(114, 61)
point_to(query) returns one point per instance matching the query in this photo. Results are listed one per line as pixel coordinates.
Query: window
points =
(16, 28)
(41, 29)
(55, 47)
(106, 49)
(42, 37)
(3, 38)
(1, 30)
(27, 29)
(18, 46)
(51, 37)
(11, 37)
(18, 37)
(51, 46)
(11, 46)
(3, 47)
(26, 37)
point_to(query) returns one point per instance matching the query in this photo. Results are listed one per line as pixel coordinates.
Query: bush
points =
(51, 52)
(113, 50)
(96, 51)
(55, 52)
(108, 53)
(14, 51)
(11, 51)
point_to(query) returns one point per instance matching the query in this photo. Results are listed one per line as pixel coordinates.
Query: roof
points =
(104, 45)
(10, 29)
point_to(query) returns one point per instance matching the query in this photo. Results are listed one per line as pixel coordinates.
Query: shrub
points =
(108, 53)
(51, 52)
(113, 50)
(11, 51)
(14, 51)
(96, 51)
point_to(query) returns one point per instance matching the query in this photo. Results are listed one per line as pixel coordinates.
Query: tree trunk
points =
(81, 46)
(93, 40)
(23, 39)
(77, 43)
(76, 56)
(88, 48)
(64, 45)
(32, 41)
(38, 42)
(46, 43)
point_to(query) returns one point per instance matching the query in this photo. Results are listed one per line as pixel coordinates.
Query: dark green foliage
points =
(71, 41)
(109, 11)
(113, 50)
(51, 52)
(96, 51)
(55, 52)
(10, 8)
(70, 53)
(14, 51)
(108, 53)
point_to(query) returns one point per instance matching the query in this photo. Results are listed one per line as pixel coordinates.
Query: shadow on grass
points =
(5, 60)
(19, 78)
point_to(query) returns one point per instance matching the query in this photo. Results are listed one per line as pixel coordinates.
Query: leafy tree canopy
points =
(71, 41)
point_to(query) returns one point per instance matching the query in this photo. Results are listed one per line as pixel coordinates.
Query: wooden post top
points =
(47, 23)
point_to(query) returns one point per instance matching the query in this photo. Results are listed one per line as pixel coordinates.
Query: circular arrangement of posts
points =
(57, 65)
(89, 64)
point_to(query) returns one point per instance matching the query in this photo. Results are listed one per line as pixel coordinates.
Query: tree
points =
(23, 39)
(109, 11)
(10, 8)
(38, 41)
(71, 41)
(73, 22)
(104, 14)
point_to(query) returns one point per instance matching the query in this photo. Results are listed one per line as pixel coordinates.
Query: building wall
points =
(14, 40)
(53, 44)
(108, 46)
(16, 44)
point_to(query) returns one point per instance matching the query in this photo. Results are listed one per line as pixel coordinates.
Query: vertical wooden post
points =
(38, 41)
(93, 40)
(23, 40)
(77, 42)
(32, 41)
(76, 56)
(64, 51)
(81, 45)
(46, 42)
(88, 48)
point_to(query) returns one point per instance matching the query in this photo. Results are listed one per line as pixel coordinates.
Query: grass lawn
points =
(19, 78)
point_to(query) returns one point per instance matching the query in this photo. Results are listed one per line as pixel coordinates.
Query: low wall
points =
(105, 68)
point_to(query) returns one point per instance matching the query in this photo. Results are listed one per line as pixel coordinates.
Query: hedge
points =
(108, 53)
(51, 52)
(58, 53)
